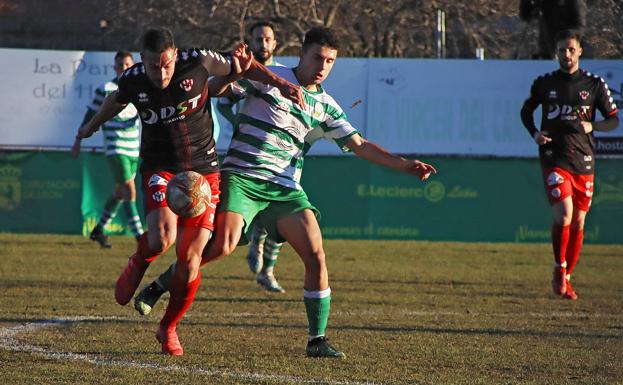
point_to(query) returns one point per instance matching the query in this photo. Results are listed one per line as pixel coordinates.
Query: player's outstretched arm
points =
(109, 109)
(376, 154)
(258, 72)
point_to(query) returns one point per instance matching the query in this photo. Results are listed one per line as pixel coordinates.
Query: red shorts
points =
(560, 184)
(155, 188)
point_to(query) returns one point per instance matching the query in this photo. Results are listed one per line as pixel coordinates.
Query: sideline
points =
(9, 341)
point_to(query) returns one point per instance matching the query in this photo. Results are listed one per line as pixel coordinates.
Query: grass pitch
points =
(403, 312)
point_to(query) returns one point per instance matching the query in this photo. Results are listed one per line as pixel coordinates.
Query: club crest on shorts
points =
(155, 180)
(158, 196)
(186, 84)
(554, 179)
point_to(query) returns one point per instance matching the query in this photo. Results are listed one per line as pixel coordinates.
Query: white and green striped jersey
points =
(271, 136)
(121, 133)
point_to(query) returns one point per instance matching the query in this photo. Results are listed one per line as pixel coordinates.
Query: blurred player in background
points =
(170, 90)
(263, 252)
(121, 147)
(570, 99)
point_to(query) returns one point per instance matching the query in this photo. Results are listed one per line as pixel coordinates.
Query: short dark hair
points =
(261, 23)
(157, 40)
(569, 34)
(123, 55)
(322, 36)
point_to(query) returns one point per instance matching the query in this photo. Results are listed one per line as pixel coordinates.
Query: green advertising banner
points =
(39, 193)
(49, 192)
(488, 200)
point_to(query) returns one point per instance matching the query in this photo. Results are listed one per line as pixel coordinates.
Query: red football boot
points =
(570, 294)
(169, 341)
(558, 280)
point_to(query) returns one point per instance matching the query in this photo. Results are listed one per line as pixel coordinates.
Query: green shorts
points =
(261, 201)
(123, 167)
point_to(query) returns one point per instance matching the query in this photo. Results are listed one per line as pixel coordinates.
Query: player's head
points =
(317, 56)
(569, 50)
(262, 41)
(123, 61)
(158, 54)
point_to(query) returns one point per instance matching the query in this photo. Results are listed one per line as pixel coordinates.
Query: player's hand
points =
(84, 132)
(541, 138)
(75, 149)
(242, 57)
(293, 92)
(587, 126)
(420, 169)
(585, 121)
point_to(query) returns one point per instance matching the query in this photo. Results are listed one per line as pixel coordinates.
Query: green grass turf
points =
(403, 312)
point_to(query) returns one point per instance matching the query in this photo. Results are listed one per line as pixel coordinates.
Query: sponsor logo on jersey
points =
(155, 180)
(553, 94)
(142, 97)
(186, 84)
(564, 112)
(158, 196)
(169, 114)
(10, 187)
(584, 94)
(318, 111)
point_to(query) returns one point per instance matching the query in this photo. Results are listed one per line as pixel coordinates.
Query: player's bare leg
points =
(228, 230)
(183, 287)
(162, 224)
(301, 230)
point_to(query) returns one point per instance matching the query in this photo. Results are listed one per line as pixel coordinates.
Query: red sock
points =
(560, 240)
(143, 252)
(182, 296)
(576, 237)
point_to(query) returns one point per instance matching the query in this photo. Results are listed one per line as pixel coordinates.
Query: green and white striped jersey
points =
(271, 136)
(121, 133)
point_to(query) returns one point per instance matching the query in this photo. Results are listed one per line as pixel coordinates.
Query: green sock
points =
(110, 210)
(270, 254)
(318, 306)
(134, 220)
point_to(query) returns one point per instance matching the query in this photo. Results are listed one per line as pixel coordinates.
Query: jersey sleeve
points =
(605, 102)
(336, 126)
(215, 63)
(123, 92)
(527, 110)
(244, 87)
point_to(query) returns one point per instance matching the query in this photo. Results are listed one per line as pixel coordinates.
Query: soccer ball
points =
(188, 194)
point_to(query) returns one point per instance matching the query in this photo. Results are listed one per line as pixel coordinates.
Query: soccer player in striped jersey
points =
(121, 146)
(263, 251)
(262, 170)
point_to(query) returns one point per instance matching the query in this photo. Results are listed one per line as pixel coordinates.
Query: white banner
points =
(421, 106)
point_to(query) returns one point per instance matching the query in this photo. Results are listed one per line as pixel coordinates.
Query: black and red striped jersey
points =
(565, 99)
(177, 127)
